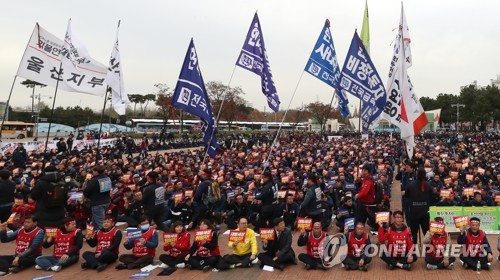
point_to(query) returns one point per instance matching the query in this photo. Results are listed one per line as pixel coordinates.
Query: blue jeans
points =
(98, 212)
(46, 262)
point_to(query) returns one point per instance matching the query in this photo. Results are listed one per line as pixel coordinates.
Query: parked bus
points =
(19, 130)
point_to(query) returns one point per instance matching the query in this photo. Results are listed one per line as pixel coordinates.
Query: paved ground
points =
(377, 269)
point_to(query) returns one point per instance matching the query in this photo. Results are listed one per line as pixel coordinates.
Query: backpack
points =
(56, 195)
(379, 193)
(213, 195)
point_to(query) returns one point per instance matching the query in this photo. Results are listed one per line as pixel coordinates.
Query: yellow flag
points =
(365, 30)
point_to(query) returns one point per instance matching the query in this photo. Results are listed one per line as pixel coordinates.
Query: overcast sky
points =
(453, 42)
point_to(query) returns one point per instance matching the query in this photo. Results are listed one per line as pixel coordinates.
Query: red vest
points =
(397, 242)
(356, 246)
(25, 239)
(438, 246)
(473, 243)
(182, 238)
(105, 239)
(140, 250)
(314, 245)
(204, 252)
(63, 242)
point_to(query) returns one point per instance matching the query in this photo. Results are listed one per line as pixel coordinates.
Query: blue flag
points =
(360, 78)
(323, 65)
(191, 96)
(253, 57)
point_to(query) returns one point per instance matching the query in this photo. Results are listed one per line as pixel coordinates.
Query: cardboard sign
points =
(445, 193)
(230, 195)
(468, 191)
(90, 229)
(239, 176)
(200, 235)
(18, 201)
(75, 196)
(188, 193)
(285, 180)
(480, 170)
(380, 167)
(349, 223)
(497, 198)
(454, 174)
(461, 221)
(236, 235)
(292, 193)
(447, 180)
(133, 234)
(469, 177)
(250, 197)
(437, 228)
(88, 177)
(51, 231)
(169, 238)
(11, 218)
(382, 217)
(178, 196)
(281, 194)
(266, 234)
(304, 223)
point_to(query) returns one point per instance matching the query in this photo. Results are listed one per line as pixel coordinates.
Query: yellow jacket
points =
(246, 247)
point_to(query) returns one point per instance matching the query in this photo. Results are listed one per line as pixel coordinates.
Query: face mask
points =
(144, 227)
(67, 180)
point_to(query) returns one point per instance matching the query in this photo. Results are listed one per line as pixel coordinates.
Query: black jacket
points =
(267, 196)
(96, 190)
(153, 197)
(55, 216)
(7, 189)
(282, 245)
(419, 200)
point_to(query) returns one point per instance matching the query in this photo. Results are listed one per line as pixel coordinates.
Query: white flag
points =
(119, 98)
(42, 60)
(403, 107)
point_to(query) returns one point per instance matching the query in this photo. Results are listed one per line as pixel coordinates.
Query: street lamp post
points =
(458, 105)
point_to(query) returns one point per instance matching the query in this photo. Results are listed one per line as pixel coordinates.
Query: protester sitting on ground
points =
(244, 252)
(357, 240)
(438, 256)
(176, 251)
(143, 248)
(29, 239)
(397, 238)
(477, 250)
(67, 244)
(107, 242)
(313, 240)
(278, 252)
(204, 253)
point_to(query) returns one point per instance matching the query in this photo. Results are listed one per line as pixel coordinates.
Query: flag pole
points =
(282, 120)
(100, 125)
(329, 107)
(218, 113)
(7, 105)
(51, 115)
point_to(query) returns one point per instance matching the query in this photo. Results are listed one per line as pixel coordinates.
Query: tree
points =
(296, 116)
(135, 98)
(234, 107)
(321, 112)
(145, 101)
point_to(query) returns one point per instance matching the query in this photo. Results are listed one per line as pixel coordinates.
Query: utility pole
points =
(458, 105)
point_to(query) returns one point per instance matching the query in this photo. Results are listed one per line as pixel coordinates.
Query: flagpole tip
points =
(327, 22)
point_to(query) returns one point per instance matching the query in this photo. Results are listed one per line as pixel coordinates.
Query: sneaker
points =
(206, 268)
(14, 269)
(390, 266)
(450, 266)
(56, 268)
(121, 266)
(38, 267)
(363, 268)
(373, 232)
(407, 266)
(431, 267)
(84, 265)
(180, 265)
(280, 267)
(487, 266)
(232, 266)
(163, 265)
(101, 267)
(308, 267)
(215, 270)
(2, 273)
(256, 261)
